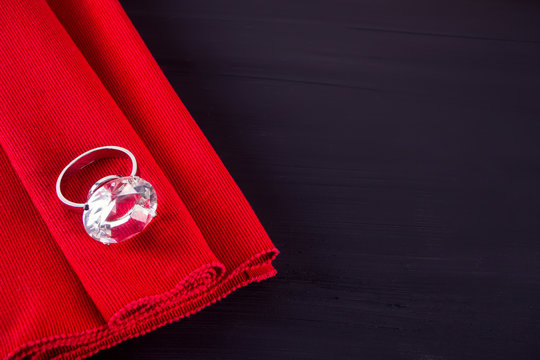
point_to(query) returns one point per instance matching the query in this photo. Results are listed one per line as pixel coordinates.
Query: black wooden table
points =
(391, 149)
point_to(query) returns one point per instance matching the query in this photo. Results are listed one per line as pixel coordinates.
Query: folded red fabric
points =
(75, 75)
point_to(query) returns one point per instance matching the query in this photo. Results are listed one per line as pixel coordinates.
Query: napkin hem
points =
(172, 305)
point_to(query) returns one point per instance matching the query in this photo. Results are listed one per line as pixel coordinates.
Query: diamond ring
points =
(117, 207)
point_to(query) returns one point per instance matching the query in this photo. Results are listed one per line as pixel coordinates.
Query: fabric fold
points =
(66, 89)
(120, 59)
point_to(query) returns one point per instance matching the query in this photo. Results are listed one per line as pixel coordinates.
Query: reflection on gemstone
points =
(119, 209)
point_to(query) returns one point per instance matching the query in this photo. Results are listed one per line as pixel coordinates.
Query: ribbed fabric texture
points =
(75, 75)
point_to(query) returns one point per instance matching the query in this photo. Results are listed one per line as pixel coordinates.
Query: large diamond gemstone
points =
(119, 209)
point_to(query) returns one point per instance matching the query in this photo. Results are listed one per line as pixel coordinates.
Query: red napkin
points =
(75, 75)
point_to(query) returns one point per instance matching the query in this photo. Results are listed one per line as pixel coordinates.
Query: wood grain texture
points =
(391, 150)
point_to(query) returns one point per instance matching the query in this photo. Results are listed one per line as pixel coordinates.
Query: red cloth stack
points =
(75, 75)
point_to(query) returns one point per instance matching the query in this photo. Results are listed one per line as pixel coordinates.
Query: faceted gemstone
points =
(119, 209)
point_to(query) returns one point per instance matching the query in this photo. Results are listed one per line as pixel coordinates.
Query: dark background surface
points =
(391, 150)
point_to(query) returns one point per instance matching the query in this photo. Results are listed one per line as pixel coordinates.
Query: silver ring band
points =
(87, 158)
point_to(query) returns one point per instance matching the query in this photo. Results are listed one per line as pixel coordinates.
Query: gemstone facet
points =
(119, 209)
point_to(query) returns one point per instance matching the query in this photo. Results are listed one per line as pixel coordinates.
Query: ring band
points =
(117, 207)
(86, 159)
